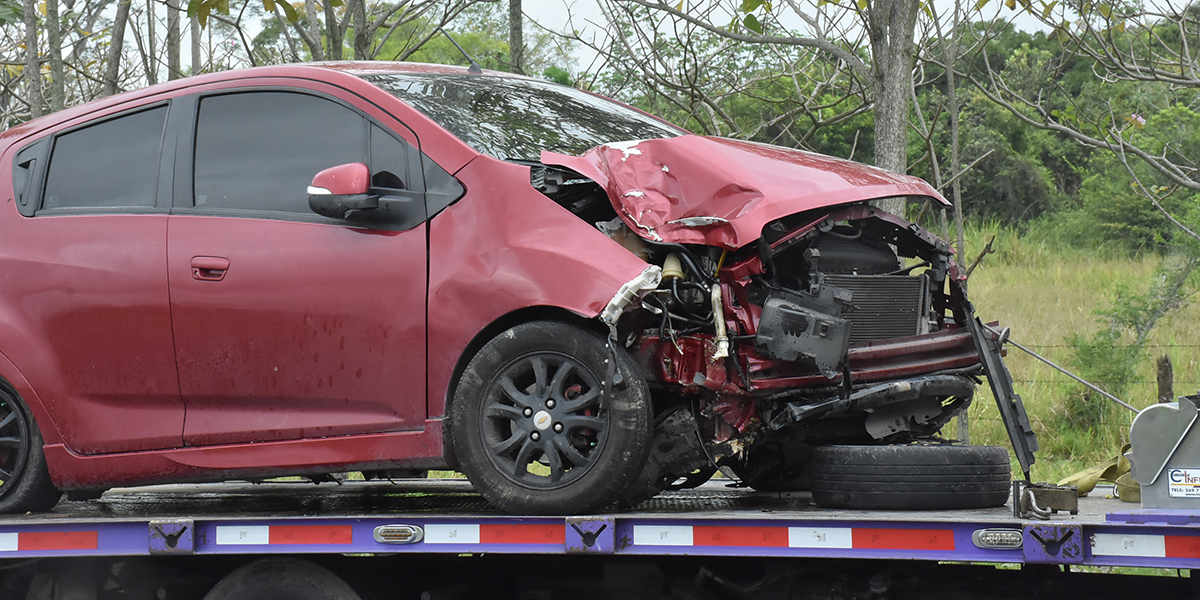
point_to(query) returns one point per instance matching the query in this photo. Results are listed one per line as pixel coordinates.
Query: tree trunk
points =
(313, 39)
(334, 33)
(54, 47)
(152, 58)
(173, 41)
(891, 26)
(362, 32)
(197, 64)
(33, 70)
(112, 67)
(516, 37)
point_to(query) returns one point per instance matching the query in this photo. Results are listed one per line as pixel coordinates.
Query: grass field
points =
(1045, 293)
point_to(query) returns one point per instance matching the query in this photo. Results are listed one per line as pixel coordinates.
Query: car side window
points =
(259, 150)
(112, 164)
(390, 162)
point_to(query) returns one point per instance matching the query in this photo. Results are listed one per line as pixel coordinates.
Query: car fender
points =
(505, 247)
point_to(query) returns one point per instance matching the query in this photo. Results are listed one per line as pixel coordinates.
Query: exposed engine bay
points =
(844, 325)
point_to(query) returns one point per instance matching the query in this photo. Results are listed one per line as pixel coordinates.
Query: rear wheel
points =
(25, 484)
(532, 428)
(282, 579)
(910, 477)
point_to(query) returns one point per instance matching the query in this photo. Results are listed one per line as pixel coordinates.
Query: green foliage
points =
(1112, 355)
(557, 75)
(11, 11)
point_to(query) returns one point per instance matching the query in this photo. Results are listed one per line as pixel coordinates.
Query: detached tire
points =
(25, 484)
(282, 579)
(531, 429)
(910, 477)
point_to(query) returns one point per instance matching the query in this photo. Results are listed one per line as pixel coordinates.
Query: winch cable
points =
(1005, 338)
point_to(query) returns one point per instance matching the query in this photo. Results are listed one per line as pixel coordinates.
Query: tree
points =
(1147, 62)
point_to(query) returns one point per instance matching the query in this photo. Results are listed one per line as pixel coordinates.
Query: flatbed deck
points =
(447, 516)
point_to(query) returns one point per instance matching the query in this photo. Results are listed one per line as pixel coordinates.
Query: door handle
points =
(209, 268)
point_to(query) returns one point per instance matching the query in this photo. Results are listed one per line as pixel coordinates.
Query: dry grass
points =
(1045, 294)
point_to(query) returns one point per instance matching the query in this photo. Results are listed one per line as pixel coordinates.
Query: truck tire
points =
(25, 484)
(282, 579)
(532, 430)
(910, 477)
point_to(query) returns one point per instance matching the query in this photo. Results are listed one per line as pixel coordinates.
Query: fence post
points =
(1166, 379)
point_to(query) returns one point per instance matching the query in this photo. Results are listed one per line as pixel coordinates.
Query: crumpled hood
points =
(717, 191)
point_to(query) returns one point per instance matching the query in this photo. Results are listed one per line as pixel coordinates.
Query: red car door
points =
(287, 324)
(85, 285)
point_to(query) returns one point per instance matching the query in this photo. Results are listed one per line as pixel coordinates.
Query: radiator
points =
(885, 306)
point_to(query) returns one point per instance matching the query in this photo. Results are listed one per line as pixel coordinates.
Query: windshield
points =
(515, 119)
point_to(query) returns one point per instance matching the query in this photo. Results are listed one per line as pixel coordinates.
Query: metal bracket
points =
(1053, 544)
(1012, 410)
(591, 535)
(1040, 500)
(172, 536)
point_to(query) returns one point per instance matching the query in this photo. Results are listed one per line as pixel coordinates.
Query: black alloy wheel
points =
(14, 444)
(543, 421)
(531, 426)
(24, 480)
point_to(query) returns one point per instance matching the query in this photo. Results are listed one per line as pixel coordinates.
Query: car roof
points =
(316, 70)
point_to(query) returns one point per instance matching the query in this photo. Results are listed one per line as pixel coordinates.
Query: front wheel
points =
(25, 484)
(533, 430)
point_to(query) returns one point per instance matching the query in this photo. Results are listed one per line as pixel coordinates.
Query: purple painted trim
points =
(1053, 543)
(1169, 516)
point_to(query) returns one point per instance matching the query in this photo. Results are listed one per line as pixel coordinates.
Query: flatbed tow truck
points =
(437, 539)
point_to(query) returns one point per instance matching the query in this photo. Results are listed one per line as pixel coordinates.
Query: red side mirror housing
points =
(340, 189)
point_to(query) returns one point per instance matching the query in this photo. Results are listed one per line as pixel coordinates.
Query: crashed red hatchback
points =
(311, 269)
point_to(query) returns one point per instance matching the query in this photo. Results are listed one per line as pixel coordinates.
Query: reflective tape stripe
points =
(522, 534)
(243, 535)
(474, 533)
(843, 538)
(904, 539)
(49, 540)
(760, 537)
(820, 537)
(451, 534)
(1118, 544)
(311, 534)
(1182, 546)
(662, 535)
(262, 535)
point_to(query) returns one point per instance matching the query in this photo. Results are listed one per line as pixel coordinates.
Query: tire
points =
(910, 477)
(282, 579)
(531, 429)
(25, 484)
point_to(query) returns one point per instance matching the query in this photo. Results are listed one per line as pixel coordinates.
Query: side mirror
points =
(338, 190)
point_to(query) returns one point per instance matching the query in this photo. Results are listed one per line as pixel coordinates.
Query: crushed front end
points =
(790, 313)
(840, 326)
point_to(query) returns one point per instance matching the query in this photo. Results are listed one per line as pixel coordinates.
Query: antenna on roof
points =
(474, 68)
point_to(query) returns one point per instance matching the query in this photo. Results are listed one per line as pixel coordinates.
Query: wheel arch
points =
(14, 382)
(512, 319)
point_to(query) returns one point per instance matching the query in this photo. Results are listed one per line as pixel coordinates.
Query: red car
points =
(308, 269)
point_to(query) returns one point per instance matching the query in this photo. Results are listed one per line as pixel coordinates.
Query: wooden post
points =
(1166, 379)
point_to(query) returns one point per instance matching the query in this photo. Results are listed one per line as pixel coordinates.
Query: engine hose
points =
(687, 257)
